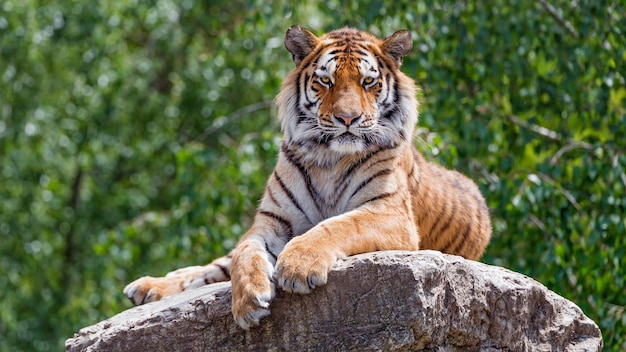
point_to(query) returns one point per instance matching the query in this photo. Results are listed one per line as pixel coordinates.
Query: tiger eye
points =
(368, 80)
(325, 80)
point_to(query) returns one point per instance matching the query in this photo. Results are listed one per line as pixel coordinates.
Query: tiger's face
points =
(346, 90)
(347, 94)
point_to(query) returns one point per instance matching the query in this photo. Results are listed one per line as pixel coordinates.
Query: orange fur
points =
(348, 179)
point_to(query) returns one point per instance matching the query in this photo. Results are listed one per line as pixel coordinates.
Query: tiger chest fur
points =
(348, 179)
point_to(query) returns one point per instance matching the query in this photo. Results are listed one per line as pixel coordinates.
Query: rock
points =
(405, 301)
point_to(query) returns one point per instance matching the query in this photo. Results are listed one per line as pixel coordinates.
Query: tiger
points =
(347, 180)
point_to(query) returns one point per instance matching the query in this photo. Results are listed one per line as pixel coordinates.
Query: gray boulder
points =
(382, 301)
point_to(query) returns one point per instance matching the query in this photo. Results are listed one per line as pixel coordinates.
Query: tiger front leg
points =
(252, 276)
(149, 289)
(306, 260)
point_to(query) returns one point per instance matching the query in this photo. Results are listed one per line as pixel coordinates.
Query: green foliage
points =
(136, 138)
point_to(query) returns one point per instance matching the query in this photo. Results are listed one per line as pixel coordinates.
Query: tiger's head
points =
(347, 94)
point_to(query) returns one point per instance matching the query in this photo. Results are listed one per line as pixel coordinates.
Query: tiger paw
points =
(301, 267)
(251, 304)
(253, 289)
(150, 289)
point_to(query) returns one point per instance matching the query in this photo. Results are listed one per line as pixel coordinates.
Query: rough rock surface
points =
(383, 301)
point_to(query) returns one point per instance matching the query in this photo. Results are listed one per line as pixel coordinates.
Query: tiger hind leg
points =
(149, 289)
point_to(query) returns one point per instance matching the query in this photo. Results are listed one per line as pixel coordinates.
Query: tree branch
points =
(68, 253)
(540, 130)
(538, 223)
(567, 148)
(224, 120)
(563, 191)
(560, 20)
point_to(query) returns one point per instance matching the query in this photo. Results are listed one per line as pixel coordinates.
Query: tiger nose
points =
(347, 119)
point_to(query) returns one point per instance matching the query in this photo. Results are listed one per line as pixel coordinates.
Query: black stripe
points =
(387, 81)
(282, 221)
(364, 183)
(389, 114)
(302, 89)
(410, 174)
(308, 106)
(292, 158)
(267, 248)
(348, 173)
(396, 97)
(291, 196)
(389, 62)
(479, 231)
(458, 241)
(402, 133)
(360, 162)
(309, 102)
(272, 198)
(381, 64)
(447, 225)
(312, 57)
(301, 114)
(359, 46)
(223, 269)
(438, 229)
(378, 197)
(383, 160)
(392, 88)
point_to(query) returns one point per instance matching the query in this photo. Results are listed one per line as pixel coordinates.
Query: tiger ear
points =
(300, 42)
(398, 45)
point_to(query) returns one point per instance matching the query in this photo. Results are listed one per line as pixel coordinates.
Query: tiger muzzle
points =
(348, 119)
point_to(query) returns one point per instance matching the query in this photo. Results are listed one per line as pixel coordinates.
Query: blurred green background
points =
(136, 137)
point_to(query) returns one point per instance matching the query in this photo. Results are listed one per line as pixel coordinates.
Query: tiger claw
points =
(138, 292)
(253, 317)
(295, 286)
(150, 289)
(249, 314)
(300, 269)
